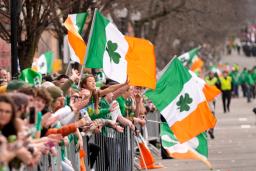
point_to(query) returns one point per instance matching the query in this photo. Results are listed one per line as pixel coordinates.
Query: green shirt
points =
(104, 109)
(122, 106)
(125, 106)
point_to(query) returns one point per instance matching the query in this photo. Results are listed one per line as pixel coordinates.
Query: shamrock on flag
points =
(183, 103)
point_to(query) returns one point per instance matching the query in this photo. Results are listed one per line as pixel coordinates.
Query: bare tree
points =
(186, 23)
(172, 25)
(35, 16)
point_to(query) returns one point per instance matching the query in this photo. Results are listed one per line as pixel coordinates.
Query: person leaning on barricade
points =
(36, 120)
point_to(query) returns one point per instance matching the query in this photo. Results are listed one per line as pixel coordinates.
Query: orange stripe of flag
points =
(75, 40)
(141, 62)
(195, 123)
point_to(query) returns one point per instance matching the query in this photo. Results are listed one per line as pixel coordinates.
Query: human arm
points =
(110, 89)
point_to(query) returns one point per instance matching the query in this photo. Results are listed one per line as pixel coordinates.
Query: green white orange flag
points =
(45, 63)
(180, 99)
(188, 57)
(107, 49)
(195, 148)
(74, 24)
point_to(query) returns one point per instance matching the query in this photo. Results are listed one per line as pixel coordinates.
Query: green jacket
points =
(235, 77)
(248, 79)
(242, 76)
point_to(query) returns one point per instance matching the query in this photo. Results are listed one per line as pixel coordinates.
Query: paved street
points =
(234, 148)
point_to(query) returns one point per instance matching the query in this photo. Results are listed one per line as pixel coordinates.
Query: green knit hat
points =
(16, 84)
(55, 92)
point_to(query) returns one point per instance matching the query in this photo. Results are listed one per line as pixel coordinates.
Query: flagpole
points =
(69, 64)
(166, 67)
(88, 45)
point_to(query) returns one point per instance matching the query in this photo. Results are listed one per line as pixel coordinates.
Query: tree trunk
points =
(27, 49)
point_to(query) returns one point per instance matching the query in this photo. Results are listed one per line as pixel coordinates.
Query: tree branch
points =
(163, 13)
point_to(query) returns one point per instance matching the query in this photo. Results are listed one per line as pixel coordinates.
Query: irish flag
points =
(120, 55)
(181, 100)
(107, 49)
(45, 63)
(195, 148)
(188, 57)
(191, 59)
(74, 24)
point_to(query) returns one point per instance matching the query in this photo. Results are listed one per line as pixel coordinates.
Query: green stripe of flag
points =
(169, 85)
(203, 144)
(97, 43)
(49, 61)
(80, 21)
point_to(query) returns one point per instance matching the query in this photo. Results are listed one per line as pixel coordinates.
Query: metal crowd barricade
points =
(152, 128)
(117, 150)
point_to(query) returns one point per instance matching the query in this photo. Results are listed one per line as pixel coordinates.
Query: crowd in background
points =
(230, 82)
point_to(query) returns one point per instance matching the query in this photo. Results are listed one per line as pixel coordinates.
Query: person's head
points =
(15, 85)
(48, 78)
(4, 75)
(21, 104)
(7, 116)
(211, 74)
(61, 79)
(42, 99)
(225, 73)
(88, 82)
(84, 93)
(57, 96)
(31, 93)
(75, 97)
